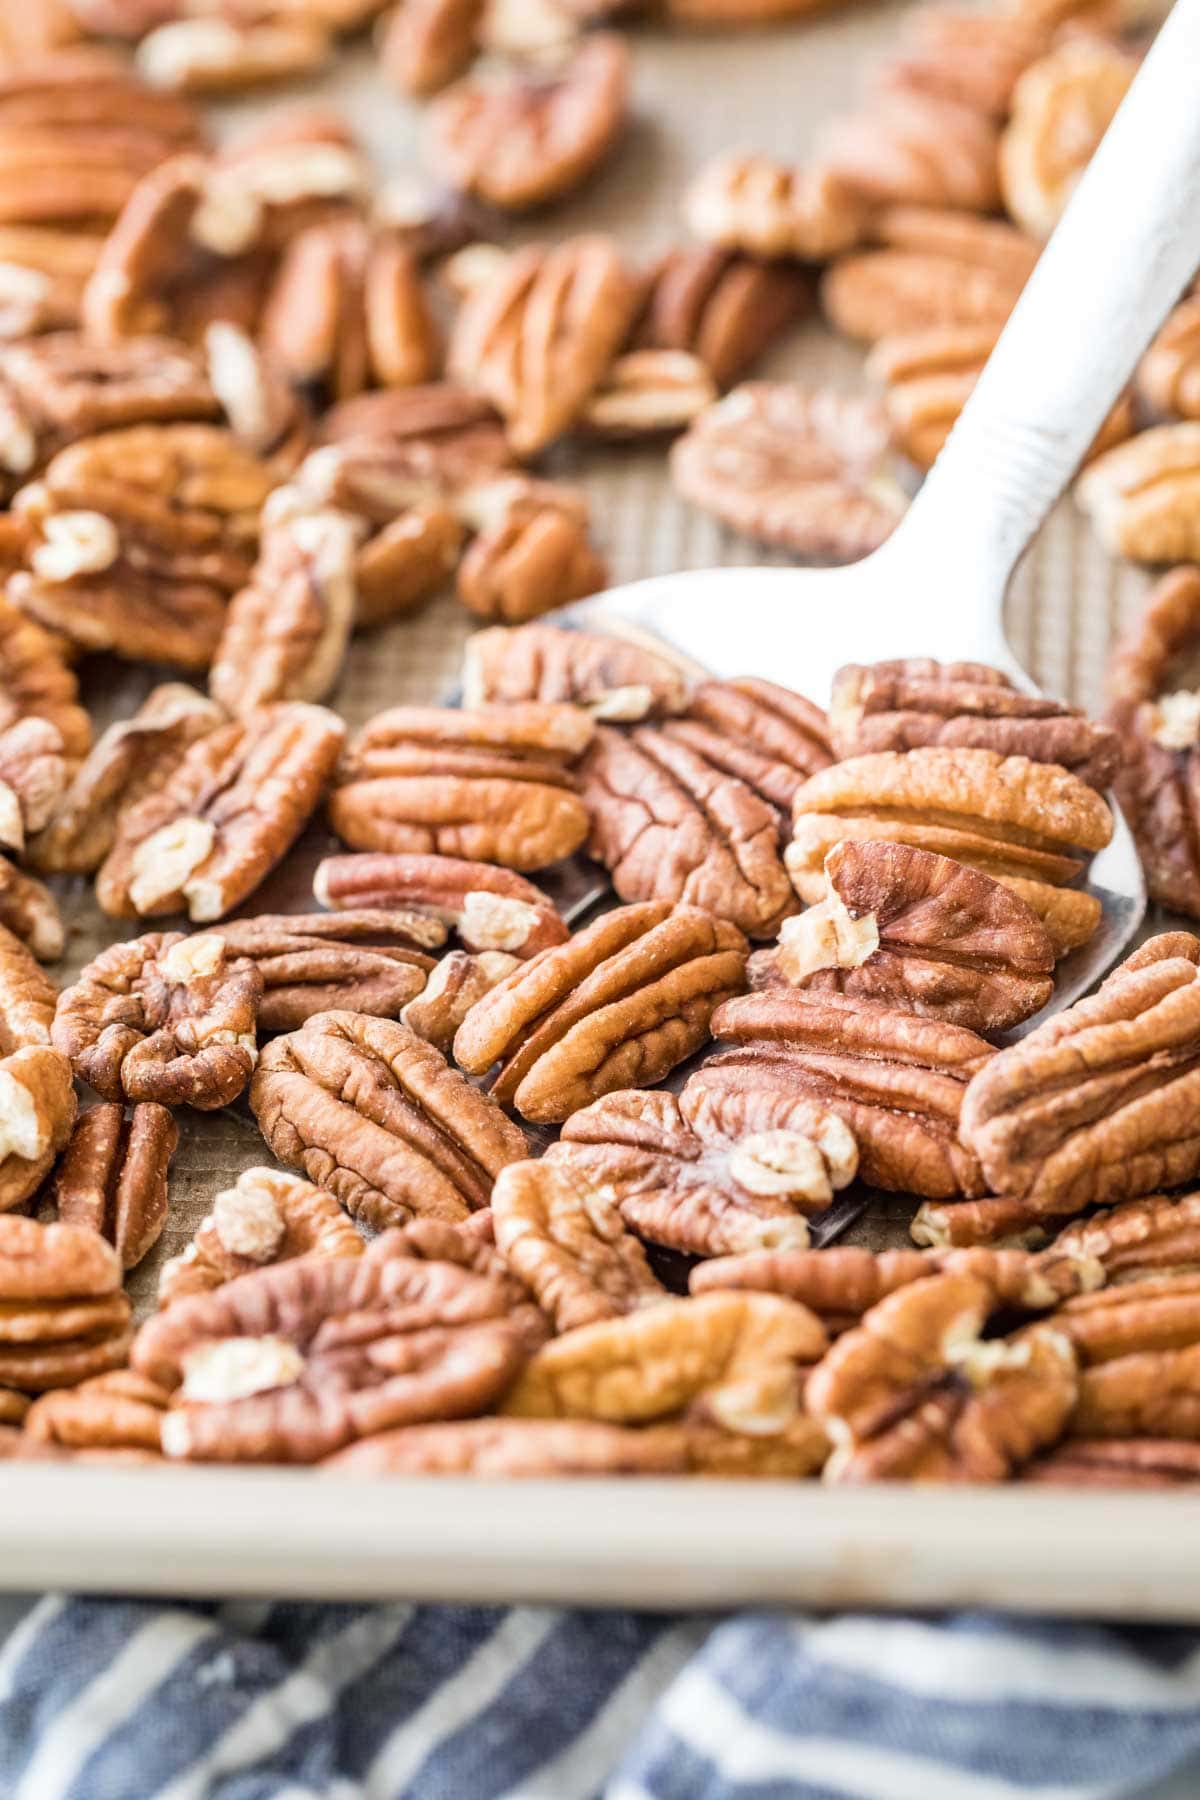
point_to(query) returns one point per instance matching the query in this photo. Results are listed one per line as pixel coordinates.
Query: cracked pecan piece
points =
(492, 784)
(164, 1017)
(896, 1080)
(1061, 108)
(671, 822)
(722, 307)
(117, 1412)
(626, 999)
(37, 1112)
(538, 337)
(1096, 1105)
(763, 734)
(1140, 496)
(27, 997)
(913, 1393)
(113, 1177)
(36, 682)
(233, 805)
(918, 932)
(288, 1364)
(1168, 376)
(64, 1317)
(367, 961)
(609, 677)
(491, 909)
(710, 1173)
(531, 553)
(454, 985)
(266, 1217)
(804, 468)
(932, 268)
(774, 209)
(539, 134)
(379, 1118)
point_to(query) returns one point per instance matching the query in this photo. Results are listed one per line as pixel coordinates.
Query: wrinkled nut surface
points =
(1153, 1312)
(671, 823)
(33, 774)
(164, 1017)
(454, 985)
(538, 136)
(515, 1448)
(1169, 374)
(897, 1081)
(118, 1411)
(998, 1223)
(919, 932)
(28, 997)
(1157, 1235)
(491, 909)
(710, 1174)
(287, 1364)
(384, 451)
(266, 1217)
(29, 910)
(625, 1000)
(368, 961)
(1149, 1394)
(113, 1176)
(1061, 108)
(36, 682)
(614, 680)
(376, 1116)
(767, 736)
(532, 552)
(912, 148)
(63, 1316)
(720, 308)
(933, 268)
(804, 468)
(492, 784)
(1127, 1463)
(37, 1111)
(1140, 496)
(773, 209)
(230, 809)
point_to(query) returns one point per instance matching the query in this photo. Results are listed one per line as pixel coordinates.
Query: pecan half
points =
(670, 822)
(64, 1315)
(1168, 375)
(609, 677)
(455, 984)
(1153, 1312)
(1153, 1236)
(405, 563)
(230, 809)
(265, 1217)
(37, 1111)
(804, 468)
(1128, 1463)
(973, 58)
(626, 999)
(1061, 108)
(538, 135)
(364, 961)
(491, 784)
(896, 1080)
(389, 450)
(29, 910)
(933, 268)
(718, 306)
(117, 1412)
(649, 393)
(288, 1364)
(710, 1173)
(515, 1448)
(36, 682)
(915, 148)
(164, 1017)
(1096, 1104)
(425, 44)
(378, 1117)
(1140, 496)
(538, 337)
(765, 735)
(532, 552)
(223, 54)
(27, 997)
(998, 1223)
(774, 209)
(491, 909)
(33, 775)
(1152, 1393)
(113, 1176)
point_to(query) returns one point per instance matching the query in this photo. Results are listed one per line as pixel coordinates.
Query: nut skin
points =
(1140, 495)
(627, 998)
(65, 1317)
(376, 1116)
(1154, 1312)
(37, 1112)
(223, 56)
(532, 555)
(27, 997)
(492, 784)
(166, 1018)
(364, 961)
(1061, 108)
(606, 676)
(113, 1175)
(267, 1217)
(490, 908)
(387, 450)
(33, 775)
(773, 209)
(766, 735)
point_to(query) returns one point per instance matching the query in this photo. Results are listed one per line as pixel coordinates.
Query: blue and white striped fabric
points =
(117, 1700)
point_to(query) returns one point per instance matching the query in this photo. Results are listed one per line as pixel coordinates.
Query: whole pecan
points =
(916, 148)
(765, 735)
(532, 552)
(1140, 496)
(455, 984)
(774, 209)
(27, 997)
(492, 784)
(490, 908)
(377, 1117)
(424, 44)
(722, 307)
(538, 337)
(1168, 375)
(287, 1364)
(896, 1080)
(804, 468)
(973, 58)
(113, 1175)
(164, 1017)
(65, 1317)
(117, 1412)
(370, 961)
(537, 136)
(626, 999)
(607, 676)
(710, 1173)
(234, 804)
(1061, 108)
(1095, 1105)
(225, 54)
(672, 822)
(265, 1217)
(36, 682)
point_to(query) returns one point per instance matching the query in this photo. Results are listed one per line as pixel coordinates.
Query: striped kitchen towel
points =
(121, 1699)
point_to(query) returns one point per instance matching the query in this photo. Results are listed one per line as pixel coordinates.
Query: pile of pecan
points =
(537, 1191)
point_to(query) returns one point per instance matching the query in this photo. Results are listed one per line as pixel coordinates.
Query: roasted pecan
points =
(105, 1417)
(1154, 1312)
(288, 1364)
(972, 58)
(1143, 1237)
(914, 1394)
(998, 1223)
(389, 450)
(724, 308)
(27, 997)
(915, 148)
(35, 681)
(233, 805)
(113, 1175)
(460, 979)
(163, 1017)
(538, 135)
(1096, 1104)
(1061, 108)
(491, 784)
(896, 1080)
(624, 1000)
(1169, 374)
(43, 272)
(670, 822)
(261, 407)
(934, 269)
(532, 552)
(64, 1316)
(774, 209)
(538, 337)
(609, 677)
(367, 961)
(1152, 1393)
(33, 776)
(649, 393)
(265, 1217)
(515, 1448)
(765, 735)
(491, 909)
(1140, 496)
(406, 562)
(710, 1174)
(37, 1111)
(732, 1359)
(1128, 1463)
(801, 467)
(29, 910)
(224, 54)
(424, 44)
(377, 1116)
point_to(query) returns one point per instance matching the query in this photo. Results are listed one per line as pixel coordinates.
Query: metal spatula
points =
(1125, 249)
